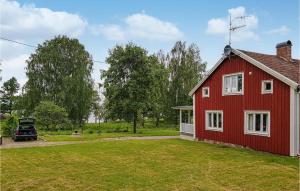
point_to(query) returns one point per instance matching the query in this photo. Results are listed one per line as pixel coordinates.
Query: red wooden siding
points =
(233, 107)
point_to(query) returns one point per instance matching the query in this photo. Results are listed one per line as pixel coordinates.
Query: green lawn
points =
(146, 165)
(110, 129)
(87, 136)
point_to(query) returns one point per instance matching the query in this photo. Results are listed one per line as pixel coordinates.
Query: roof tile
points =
(290, 69)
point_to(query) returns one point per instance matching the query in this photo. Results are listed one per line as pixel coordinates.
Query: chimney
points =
(284, 50)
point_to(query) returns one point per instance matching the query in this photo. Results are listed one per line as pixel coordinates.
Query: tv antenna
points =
(234, 28)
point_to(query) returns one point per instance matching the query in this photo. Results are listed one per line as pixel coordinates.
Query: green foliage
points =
(186, 69)
(159, 87)
(49, 115)
(127, 82)
(8, 91)
(60, 71)
(9, 125)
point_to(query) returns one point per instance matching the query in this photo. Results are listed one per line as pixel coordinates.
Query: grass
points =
(146, 165)
(110, 129)
(87, 136)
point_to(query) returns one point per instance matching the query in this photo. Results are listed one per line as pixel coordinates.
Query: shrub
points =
(90, 131)
(50, 115)
(10, 124)
(109, 131)
(117, 129)
(6, 130)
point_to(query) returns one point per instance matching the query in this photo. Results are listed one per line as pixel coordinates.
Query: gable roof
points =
(290, 69)
(287, 72)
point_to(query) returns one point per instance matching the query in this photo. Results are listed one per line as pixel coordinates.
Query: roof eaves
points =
(206, 76)
(265, 68)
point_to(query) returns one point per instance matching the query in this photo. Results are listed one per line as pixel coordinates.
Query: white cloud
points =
(16, 63)
(27, 21)
(29, 24)
(10, 50)
(220, 26)
(14, 67)
(148, 27)
(111, 32)
(140, 26)
(217, 26)
(283, 30)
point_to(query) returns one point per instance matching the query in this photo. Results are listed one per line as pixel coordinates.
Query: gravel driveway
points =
(9, 143)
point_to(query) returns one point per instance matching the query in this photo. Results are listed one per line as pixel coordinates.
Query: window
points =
(233, 84)
(267, 87)
(205, 92)
(257, 123)
(214, 120)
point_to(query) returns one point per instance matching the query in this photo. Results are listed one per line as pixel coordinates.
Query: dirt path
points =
(7, 143)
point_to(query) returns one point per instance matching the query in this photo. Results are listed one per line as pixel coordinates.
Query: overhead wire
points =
(32, 46)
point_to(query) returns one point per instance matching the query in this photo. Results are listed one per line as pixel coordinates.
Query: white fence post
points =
(180, 120)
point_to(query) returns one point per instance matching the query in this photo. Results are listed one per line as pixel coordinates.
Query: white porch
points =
(186, 120)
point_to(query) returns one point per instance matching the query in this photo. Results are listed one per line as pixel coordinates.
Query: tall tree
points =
(60, 71)
(8, 91)
(186, 69)
(127, 82)
(159, 86)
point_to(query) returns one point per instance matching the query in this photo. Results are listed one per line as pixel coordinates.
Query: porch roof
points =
(184, 107)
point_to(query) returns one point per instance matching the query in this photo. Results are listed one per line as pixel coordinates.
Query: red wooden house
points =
(251, 99)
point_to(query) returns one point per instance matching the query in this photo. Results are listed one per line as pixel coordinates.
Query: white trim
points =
(293, 142)
(232, 93)
(180, 118)
(206, 120)
(263, 90)
(260, 65)
(254, 112)
(203, 92)
(194, 115)
(298, 122)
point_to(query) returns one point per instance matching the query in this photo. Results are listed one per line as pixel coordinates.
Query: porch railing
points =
(187, 128)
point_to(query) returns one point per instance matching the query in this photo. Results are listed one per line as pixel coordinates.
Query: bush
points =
(90, 131)
(50, 116)
(6, 130)
(117, 129)
(9, 125)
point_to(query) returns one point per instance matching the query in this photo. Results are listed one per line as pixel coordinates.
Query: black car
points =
(25, 130)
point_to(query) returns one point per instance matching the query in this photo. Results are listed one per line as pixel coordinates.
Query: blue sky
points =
(154, 25)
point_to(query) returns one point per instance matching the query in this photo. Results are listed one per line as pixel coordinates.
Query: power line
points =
(9, 40)
(32, 46)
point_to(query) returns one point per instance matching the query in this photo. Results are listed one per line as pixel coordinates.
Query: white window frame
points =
(203, 92)
(206, 120)
(263, 90)
(224, 93)
(246, 130)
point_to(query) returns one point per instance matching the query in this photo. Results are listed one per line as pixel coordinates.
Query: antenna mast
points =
(233, 28)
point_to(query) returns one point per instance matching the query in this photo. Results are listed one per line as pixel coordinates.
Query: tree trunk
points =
(143, 121)
(157, 121)
(134, 123)
(81, 126)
